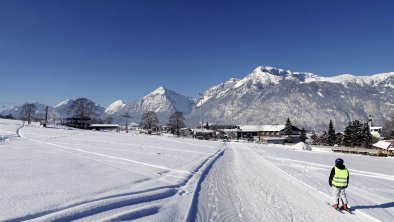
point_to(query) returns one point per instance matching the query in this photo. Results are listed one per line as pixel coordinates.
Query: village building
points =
(76, 122)
(185, 132)
(269, 133)
(203, 134)
(232, 133)
(100, 127)
(376, 131)
(384, 148)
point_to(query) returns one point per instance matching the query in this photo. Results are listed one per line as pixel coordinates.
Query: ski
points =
(337, 209)
(349, 211)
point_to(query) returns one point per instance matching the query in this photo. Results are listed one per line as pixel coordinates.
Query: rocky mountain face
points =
(162, 101)
(270, 95)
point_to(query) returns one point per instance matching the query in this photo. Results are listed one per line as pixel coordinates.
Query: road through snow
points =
(243, 186)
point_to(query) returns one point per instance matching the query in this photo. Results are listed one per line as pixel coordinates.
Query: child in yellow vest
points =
(339, 180)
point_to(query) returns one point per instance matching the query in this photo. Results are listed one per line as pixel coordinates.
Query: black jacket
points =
(342, 167)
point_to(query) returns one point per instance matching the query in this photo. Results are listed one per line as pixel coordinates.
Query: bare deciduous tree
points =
(149, 120)
(27, 112)
(82, 108)
(176, 122)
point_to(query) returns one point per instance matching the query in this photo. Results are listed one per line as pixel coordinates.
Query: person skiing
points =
(339, 180)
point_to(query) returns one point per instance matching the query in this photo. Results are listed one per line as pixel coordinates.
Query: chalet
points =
(232, 133)
(77, 122)
(185, 132)
(269, 133)
(203, 134)
(384, 148)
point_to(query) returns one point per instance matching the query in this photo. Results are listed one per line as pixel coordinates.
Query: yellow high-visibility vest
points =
(340, 177)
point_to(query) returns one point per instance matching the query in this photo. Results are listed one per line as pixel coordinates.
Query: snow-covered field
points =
(59, 174)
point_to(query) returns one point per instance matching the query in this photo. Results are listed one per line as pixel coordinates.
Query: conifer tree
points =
(347, 137)
(331, 137)
(358, 135)
(303, 135)
(367, 137)
(288, 129)
(323, 138)
(314, 138)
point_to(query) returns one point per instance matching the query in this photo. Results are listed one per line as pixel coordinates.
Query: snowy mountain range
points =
(268, 95)
(59, 111)
(16, 110)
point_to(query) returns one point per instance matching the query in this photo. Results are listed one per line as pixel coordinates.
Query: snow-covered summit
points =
(114, 107)
(159, 91)
(65, 102)
(264, 75)
(261, 76)
(361, 80)
(271, 70)
(162, 101)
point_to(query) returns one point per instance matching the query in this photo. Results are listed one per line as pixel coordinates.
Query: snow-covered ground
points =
(60, 174)
(254, 182)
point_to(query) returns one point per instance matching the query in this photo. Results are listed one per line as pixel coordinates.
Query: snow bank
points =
(301, 146)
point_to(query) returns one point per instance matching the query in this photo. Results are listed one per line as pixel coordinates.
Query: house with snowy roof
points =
(269, 133)
(384, 148)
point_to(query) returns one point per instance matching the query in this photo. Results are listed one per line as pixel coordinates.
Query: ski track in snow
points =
(195, 182)
(129, 205)
(354, 172)
(242, 186)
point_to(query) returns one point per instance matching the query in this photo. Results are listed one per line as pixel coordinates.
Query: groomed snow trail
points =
(243, 186)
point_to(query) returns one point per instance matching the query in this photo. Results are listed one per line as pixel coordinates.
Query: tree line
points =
(356, 133)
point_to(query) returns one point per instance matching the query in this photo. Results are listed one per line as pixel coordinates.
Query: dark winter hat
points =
(339, 162)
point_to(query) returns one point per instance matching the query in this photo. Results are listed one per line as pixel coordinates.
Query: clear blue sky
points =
(109, 50)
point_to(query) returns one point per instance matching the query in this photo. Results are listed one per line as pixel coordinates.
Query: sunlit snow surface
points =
(60, 174)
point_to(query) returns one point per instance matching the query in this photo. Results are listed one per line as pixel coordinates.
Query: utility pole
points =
(202, 111)
(46, 117)
(127, 117)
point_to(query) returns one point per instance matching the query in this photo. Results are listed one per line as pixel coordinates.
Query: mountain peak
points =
(62, 103)
(271, 70)
(159, 91)
(114, 107)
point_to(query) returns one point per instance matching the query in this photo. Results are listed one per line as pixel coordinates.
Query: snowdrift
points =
(301, 146)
